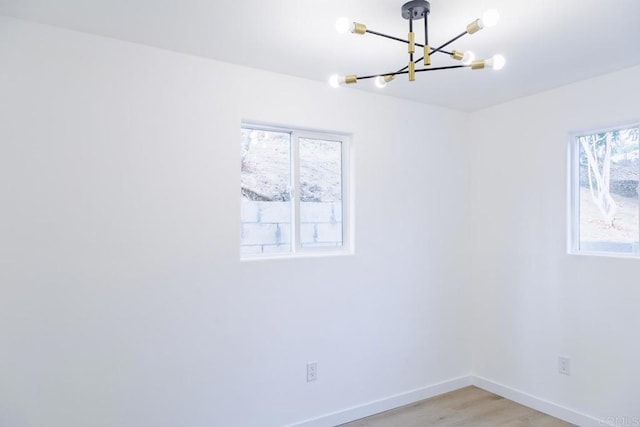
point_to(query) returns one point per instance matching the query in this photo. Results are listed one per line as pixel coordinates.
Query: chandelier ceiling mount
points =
(416, 9)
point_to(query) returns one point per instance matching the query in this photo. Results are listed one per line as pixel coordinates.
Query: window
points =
(293, 192)
(605, 210)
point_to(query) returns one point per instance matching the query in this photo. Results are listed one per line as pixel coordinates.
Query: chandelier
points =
(414, 11)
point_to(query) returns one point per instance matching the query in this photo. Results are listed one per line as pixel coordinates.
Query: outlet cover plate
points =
(564, 365)
(312, 371)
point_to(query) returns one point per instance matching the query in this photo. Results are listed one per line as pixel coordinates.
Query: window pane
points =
(265, 182)
(320, 193)
(608, 192)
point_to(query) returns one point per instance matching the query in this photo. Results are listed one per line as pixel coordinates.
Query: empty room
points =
(289, 213)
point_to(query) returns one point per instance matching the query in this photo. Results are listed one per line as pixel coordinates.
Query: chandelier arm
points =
(375, 33)
(420, 59)
(412, 49)
(449, 67)
(407, 72)
(412, 40)
(427, 48)
(426, 30)
(439, 50)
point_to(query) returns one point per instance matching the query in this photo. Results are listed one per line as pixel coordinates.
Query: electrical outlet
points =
(312, 371)
(564, 365)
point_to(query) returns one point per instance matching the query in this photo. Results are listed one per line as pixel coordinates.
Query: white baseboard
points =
(385, 404)
(392, 402)
(565, 414)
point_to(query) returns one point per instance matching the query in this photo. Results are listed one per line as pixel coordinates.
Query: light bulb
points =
(335, 81)
(490, 18)
(497, 62)
(343, 25)
(380, 82)
(468, 58)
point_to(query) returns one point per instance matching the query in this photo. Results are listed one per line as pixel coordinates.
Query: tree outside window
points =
(606, 190)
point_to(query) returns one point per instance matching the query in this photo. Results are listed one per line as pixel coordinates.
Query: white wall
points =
(123, 300)
(533, 301)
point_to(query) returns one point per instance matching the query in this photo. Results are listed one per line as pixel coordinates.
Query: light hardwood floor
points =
(469, 406)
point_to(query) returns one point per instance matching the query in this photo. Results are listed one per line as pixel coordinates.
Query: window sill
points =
(299, 255)
(605, 255)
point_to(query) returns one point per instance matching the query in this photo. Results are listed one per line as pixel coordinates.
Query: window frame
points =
(297, 250)
(573, 199)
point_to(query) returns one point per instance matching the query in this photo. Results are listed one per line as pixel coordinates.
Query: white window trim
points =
(297, 251)
(573, 197)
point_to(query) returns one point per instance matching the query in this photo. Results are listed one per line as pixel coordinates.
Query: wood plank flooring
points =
(469, 406)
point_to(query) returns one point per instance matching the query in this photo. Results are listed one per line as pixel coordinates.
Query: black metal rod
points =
(375, 33)
(416, 61)
(417, 71)
(426, 29)
(439, 50)
(422, 57)
(411, 31)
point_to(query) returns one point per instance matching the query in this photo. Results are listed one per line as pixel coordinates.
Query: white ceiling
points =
(547, 43)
